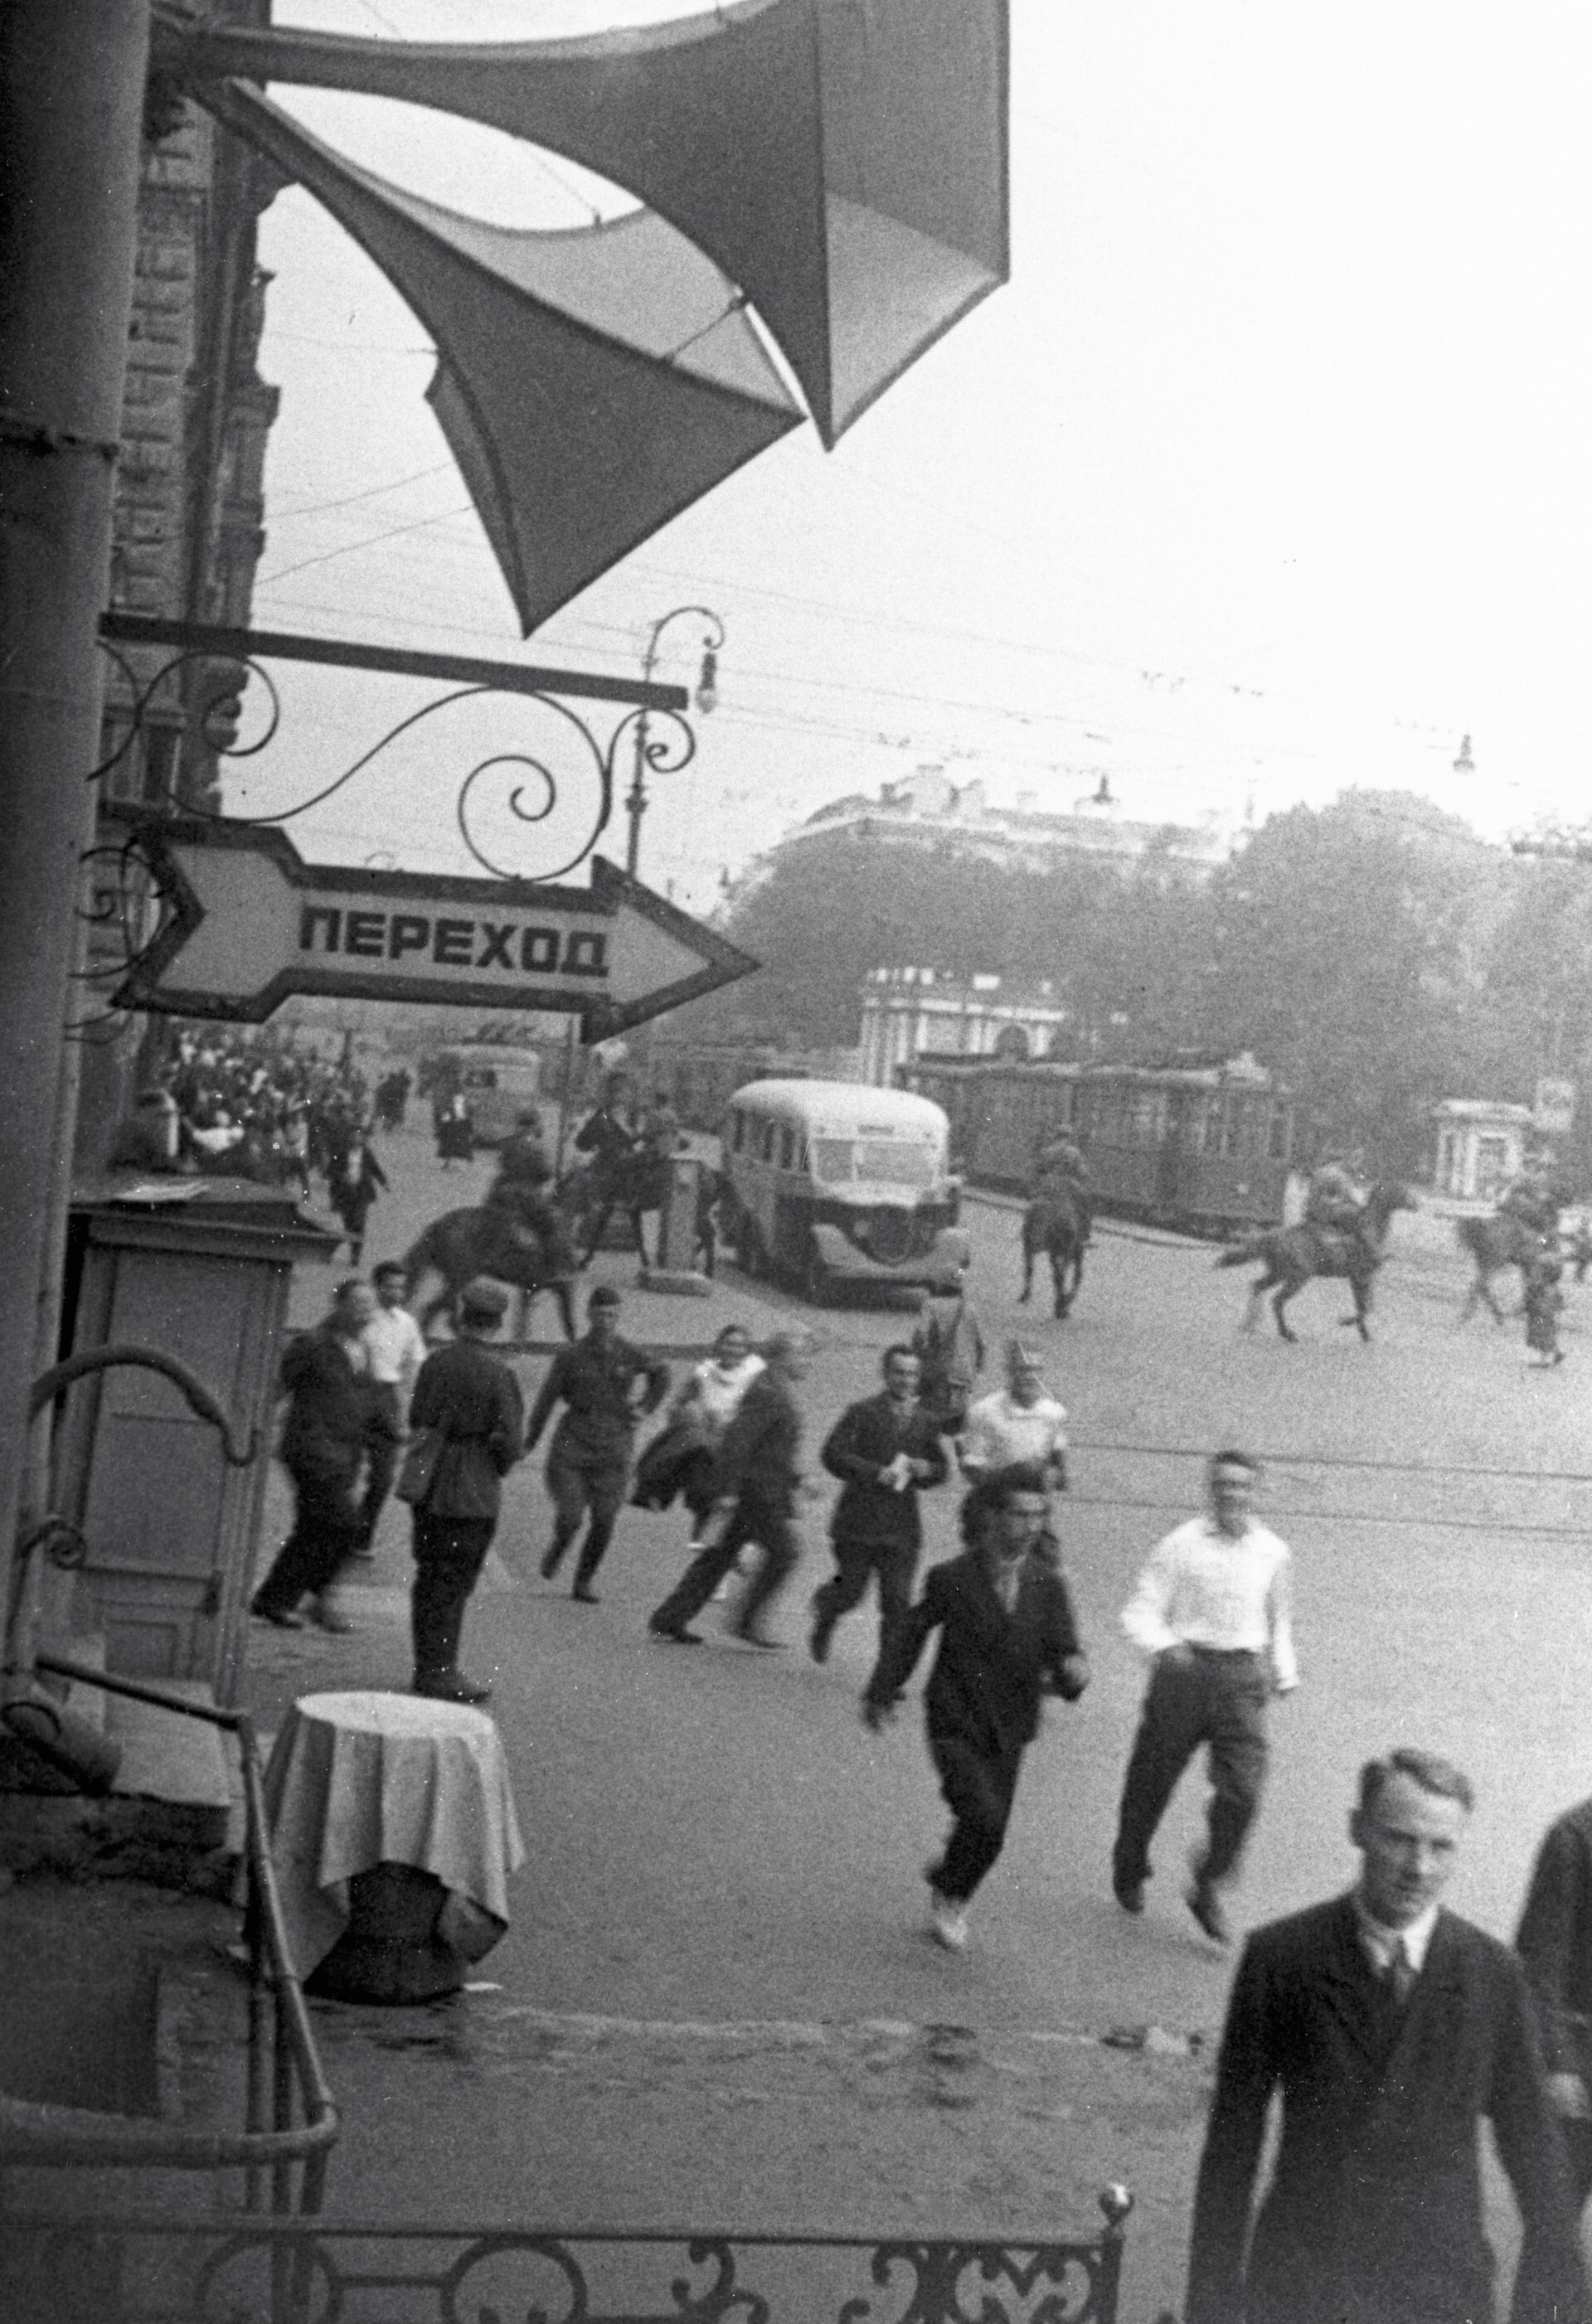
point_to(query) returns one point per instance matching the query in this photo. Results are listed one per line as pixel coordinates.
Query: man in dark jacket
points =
(333, 1410)
(758, 1475)
(471, 1399)
(1554, 1941)
(1388, 2028)
(589, 1460)
(884, 1450)
(1007, 1636)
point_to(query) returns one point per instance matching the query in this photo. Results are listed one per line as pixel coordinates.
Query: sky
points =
(1269, 472)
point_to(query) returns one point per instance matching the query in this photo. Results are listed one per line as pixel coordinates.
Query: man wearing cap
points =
(589, 1460)
(472, 1399)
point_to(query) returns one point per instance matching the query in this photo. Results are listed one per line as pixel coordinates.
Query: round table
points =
(394, 1833)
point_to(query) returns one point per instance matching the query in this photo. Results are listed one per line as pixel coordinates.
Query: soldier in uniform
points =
(589, 1462)
(1061, 1167)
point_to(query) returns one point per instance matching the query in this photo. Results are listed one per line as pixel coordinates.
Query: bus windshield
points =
(838, 1161)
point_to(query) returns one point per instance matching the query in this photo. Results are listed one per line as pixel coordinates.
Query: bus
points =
(830, 1184)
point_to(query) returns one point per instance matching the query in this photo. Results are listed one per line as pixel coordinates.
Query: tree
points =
(1345, 955)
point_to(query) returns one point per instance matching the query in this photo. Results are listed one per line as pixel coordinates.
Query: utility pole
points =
(71, 106)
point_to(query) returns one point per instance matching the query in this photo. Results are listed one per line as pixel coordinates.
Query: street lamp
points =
(708, 696)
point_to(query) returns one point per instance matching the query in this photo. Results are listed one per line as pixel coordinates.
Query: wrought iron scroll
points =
(236, 2272)
(668, 741)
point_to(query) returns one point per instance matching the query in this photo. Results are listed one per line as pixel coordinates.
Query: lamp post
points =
(706, 699)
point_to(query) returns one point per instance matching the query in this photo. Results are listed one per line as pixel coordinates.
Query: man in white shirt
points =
(395, 1349)
(1021, 1423)
(1212, 1611)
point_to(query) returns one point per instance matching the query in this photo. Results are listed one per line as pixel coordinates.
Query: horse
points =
(1053, 1224)
(463, 1244)
(1290, 1256)
(1502, 1241)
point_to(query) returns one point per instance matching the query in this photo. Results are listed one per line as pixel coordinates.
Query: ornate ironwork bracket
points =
(532, 782)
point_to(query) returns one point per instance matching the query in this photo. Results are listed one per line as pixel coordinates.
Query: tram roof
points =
(1226, 1073)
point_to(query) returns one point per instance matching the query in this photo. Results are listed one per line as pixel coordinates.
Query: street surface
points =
(716, 2005)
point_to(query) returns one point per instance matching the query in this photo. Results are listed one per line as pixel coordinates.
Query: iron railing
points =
(271, 2271)
(285, 2075)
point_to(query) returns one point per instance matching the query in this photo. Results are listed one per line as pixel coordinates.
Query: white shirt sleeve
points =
(1144, 1618)
(976, 1446)
(1280, 1619)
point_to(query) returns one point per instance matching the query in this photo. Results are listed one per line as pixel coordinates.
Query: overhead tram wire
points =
(1339, 1460)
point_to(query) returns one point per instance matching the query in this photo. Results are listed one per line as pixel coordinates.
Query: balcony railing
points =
(281, 2271)
(290, 2120)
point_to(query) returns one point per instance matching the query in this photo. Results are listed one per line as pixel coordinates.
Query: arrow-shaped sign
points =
(251, 921)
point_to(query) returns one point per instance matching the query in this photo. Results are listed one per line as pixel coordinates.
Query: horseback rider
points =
(517, 1196)
(1332, 1205)
(1062, 1170)
(1532, 1201)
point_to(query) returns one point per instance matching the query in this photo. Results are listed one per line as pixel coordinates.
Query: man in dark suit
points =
(757, 1476)
(1389, 2027)
(1554, 1941)
(1007, 1636)
(884, 1449)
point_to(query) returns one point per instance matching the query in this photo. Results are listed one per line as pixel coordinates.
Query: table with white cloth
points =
(384, 1802)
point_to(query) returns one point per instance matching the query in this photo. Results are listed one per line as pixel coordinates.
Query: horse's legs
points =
(1257, 1291)
(1058, 1276)
(1284, 1293)
(1362, 1304)
(1028, 1273)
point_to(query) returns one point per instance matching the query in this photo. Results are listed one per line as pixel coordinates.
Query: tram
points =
(1202, 1146)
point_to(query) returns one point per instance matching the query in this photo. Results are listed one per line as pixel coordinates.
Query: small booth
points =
(198, 1271)
(1481, 1147)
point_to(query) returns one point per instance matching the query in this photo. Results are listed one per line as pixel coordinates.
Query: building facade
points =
(911, 1013)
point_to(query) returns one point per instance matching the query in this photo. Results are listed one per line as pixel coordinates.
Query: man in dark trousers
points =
(1007, 1636)
(333, 1411)
(757, 1477)
(473, 1399)
(884, 1450)
(1554, 1941)
(1388, 2027)
(589, 1460)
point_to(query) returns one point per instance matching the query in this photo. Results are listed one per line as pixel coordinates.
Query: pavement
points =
(716, 2005)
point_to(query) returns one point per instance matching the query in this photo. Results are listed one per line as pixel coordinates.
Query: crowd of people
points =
(1386, 2027)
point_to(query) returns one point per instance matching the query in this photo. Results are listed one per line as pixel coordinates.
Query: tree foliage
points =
(1375, 953)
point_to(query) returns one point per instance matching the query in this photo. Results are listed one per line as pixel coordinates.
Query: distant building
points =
(925, 809)
(908, 1012)
(1481, 1146)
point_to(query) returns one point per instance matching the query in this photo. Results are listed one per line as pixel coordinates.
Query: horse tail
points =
(1244, 1254)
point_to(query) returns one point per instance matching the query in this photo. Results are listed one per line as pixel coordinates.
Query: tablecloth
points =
(354, 1780)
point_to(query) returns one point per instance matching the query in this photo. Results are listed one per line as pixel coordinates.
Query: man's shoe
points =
(674, 1634)
(1207, 1908)
(947, 1922)
(582, 1596)
(552, 1560)
(449, 1686)
(281, 1617)
(1129, 1893)
(754, 1637)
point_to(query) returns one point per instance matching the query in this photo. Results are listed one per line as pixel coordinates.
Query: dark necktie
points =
(1398, 1977)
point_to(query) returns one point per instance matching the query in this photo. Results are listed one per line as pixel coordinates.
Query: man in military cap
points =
(472, 1399)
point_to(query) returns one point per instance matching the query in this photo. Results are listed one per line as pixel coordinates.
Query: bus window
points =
(831, 1160)
(767, 1153)
(787, 1150)
(895, 1163)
